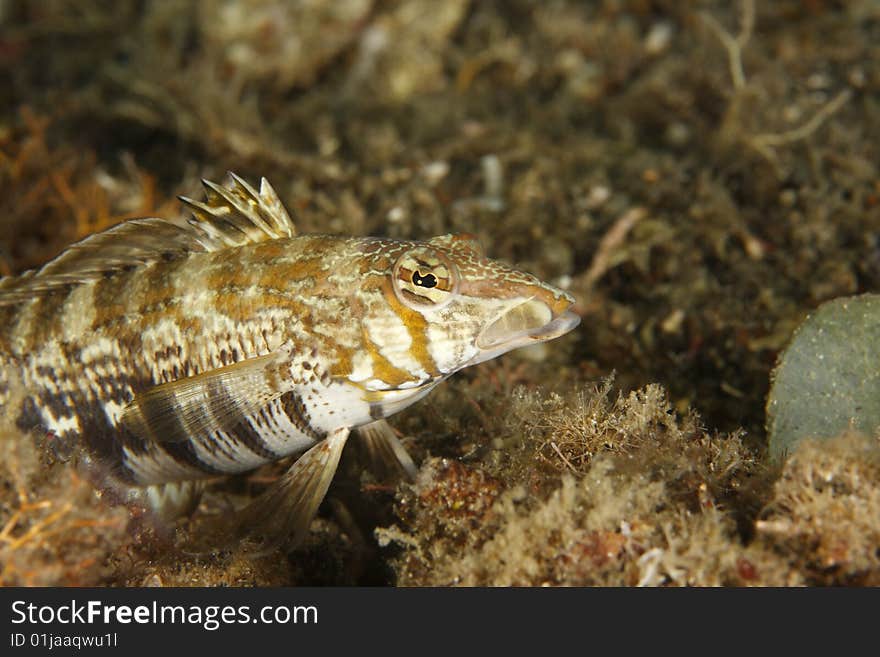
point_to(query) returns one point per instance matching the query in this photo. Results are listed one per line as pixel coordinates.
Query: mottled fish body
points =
(173, 352)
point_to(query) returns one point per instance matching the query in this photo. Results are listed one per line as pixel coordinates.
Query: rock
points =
(828, 378)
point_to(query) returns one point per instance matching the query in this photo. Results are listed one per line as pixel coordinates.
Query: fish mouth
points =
(529, 322)
(559, 326)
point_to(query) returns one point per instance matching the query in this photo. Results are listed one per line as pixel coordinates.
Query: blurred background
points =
(700, 174)
(534, 124)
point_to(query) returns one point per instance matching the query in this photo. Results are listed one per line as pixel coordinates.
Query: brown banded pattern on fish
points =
(177, 352)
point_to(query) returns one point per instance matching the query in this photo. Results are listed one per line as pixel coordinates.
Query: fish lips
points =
(529, 322)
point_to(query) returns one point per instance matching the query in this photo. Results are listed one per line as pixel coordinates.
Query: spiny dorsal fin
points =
(231, 216)
(238, 214)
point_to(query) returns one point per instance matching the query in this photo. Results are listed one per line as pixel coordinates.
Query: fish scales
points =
(177, 319)
(174, 353)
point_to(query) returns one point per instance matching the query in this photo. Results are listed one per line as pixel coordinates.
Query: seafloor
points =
(701, 175)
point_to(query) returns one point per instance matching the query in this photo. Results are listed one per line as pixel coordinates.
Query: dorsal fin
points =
(231, 216)
(238, 214)
(129, 244)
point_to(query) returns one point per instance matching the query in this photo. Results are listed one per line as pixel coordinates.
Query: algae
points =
(700, 175)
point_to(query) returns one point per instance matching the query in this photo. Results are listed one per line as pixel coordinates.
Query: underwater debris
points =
(604, 259)
(569, 431)
(401, 51)
(823, 517)
(734, 130)
(646, 498)
(54, 529)
(603, 529)
(827, 380)
(275, 43)
(56, 194)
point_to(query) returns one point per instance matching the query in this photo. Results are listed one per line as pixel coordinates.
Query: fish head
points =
(473, 309)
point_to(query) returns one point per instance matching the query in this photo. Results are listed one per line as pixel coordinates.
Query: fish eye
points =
(428, 280)
(424, 277)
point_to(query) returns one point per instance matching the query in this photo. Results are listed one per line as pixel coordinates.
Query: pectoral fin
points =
(281, 516)
(387, 455)
(202, 404)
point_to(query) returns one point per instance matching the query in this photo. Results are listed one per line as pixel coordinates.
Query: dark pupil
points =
(428, 280)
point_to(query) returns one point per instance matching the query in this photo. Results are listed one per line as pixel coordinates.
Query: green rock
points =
(828, 378)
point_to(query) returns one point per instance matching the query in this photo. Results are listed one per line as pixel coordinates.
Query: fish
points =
(174, 352)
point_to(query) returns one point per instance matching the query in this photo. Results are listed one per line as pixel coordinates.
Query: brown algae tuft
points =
(653, 500)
